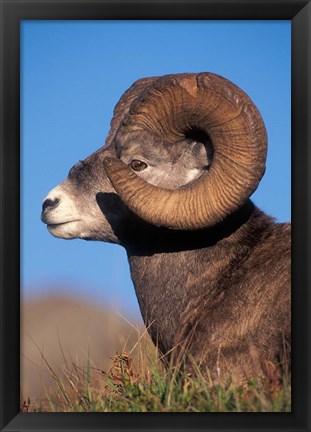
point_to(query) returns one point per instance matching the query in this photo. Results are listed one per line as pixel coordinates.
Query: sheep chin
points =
(66, 230)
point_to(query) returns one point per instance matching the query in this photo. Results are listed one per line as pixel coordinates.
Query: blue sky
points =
(72, 75)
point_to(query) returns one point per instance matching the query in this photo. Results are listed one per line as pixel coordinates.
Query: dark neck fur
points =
(143, 239)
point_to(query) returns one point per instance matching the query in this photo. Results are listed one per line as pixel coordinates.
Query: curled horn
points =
(172, 106)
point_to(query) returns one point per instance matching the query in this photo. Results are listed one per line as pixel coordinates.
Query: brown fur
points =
(231, 299)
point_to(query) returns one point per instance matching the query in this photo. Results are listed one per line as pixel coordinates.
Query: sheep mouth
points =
(60, 224)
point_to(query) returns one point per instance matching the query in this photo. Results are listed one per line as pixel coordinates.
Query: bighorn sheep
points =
(172, 186)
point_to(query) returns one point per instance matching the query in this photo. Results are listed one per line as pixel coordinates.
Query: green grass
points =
(139, 382)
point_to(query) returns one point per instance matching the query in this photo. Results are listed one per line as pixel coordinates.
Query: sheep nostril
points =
(49, 203)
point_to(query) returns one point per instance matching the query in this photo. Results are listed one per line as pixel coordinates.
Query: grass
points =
(138, 381)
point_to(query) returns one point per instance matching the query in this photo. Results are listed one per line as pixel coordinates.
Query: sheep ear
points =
(202, 150)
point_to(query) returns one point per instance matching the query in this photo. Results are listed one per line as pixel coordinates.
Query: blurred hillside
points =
(60, 330)
(63, 329)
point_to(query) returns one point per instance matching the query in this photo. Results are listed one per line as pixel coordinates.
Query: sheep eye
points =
(138, 165)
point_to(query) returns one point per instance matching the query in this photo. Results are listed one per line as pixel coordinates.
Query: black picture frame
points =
(12, 12)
